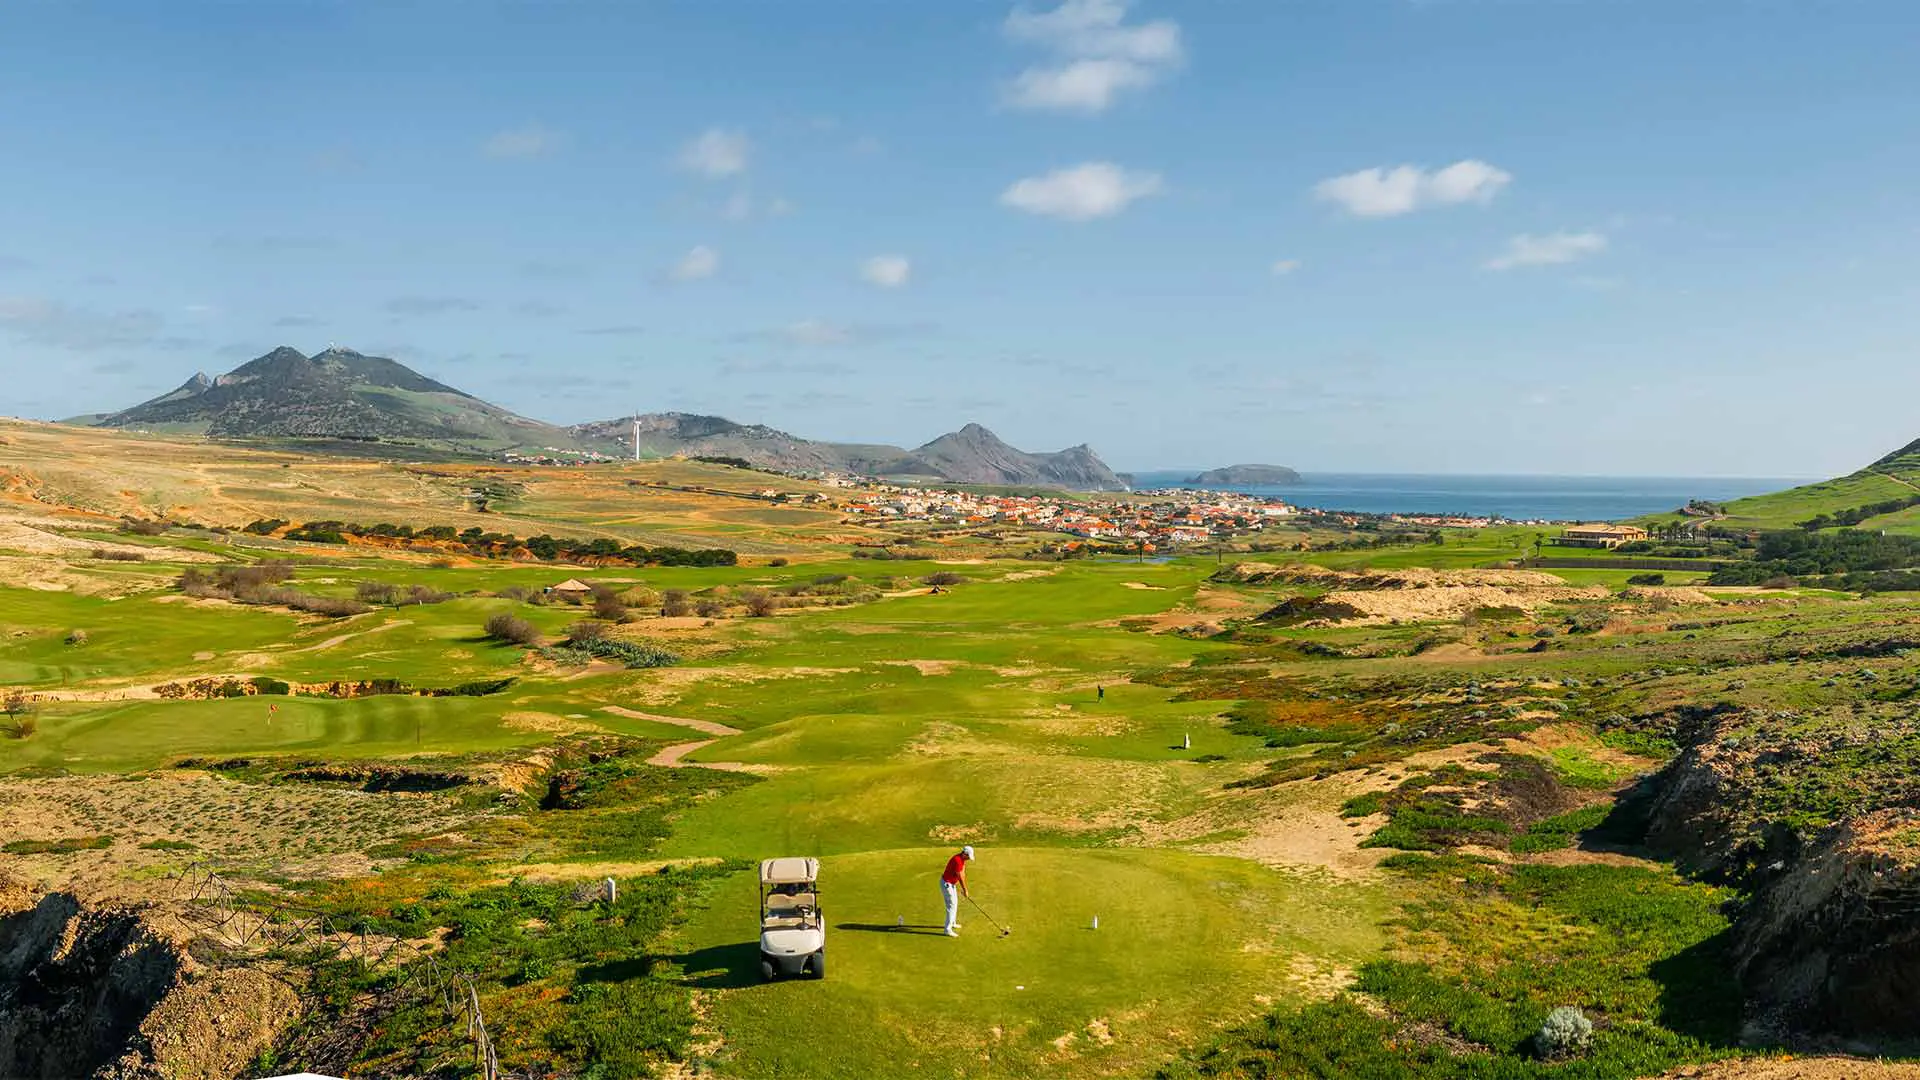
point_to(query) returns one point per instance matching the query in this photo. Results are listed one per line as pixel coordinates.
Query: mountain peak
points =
(337, 393)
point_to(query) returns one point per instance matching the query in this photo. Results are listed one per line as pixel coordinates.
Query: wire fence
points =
(209, 904)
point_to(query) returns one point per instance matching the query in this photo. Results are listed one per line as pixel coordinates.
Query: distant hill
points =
(972, 455)
(346, 398)
(693, 435)
(1883, 496)
(1245, 476)
(336, 394)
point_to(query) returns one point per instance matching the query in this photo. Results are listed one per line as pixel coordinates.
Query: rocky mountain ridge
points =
(341, 394)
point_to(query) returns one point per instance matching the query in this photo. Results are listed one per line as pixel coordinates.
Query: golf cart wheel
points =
(766, 971)
(820, 964)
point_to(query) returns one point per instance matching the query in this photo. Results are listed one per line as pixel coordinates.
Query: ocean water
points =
(1519, 498)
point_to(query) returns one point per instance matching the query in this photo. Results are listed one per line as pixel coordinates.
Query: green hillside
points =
(1883, 496)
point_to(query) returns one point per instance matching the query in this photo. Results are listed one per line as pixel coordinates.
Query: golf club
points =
(1004, 930)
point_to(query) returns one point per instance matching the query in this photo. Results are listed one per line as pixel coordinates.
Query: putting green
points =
(1185, 943)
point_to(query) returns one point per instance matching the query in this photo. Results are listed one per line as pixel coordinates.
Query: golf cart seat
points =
(792, 932)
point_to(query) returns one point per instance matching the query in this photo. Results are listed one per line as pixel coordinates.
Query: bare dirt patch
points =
(1412, 594)
(1298, 823)
(1813, 1068)
(926, 667)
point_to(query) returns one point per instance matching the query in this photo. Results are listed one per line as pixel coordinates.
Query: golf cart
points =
(793, 937)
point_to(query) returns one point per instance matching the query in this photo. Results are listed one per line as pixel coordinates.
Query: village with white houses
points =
(1162, 518)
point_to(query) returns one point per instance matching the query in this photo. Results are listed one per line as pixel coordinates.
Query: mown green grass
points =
(128, 637)
(1181, 939)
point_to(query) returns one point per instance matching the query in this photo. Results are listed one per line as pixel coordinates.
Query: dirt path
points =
(1822, 1068)
(338, 640)
(707, 726)
(670, 758)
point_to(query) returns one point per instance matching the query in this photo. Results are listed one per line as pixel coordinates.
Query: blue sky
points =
(1475, 236)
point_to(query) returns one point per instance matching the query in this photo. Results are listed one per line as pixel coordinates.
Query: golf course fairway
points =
(1180, 939)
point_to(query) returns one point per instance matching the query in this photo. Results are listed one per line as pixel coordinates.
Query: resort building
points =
(1600, 536)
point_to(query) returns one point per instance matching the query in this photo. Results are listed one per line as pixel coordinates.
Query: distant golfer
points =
(953, 886)
(1099, 693)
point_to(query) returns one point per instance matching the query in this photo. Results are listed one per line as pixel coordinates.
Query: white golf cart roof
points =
(789, 871)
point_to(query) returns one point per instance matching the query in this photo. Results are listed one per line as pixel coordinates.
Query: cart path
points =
(670, 758)
(706, 726)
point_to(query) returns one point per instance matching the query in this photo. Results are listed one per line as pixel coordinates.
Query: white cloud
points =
(1380, 192)
(527, 142)
(701, 262)
(1285, 266)
(1552, 249)
(887, 271)
(1096, 55)
(716, 152)
(1096, 189)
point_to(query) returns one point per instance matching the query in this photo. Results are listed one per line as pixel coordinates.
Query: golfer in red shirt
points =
(953, 885)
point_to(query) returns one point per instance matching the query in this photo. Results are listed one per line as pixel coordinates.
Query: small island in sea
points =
(1245, 476)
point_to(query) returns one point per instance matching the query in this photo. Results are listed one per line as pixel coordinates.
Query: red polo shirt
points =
(956, 869)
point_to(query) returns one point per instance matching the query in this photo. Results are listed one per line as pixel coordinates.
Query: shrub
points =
(586, 630)
(761, 603)
(1647, 579)
(513, 630)
(514, 592)
(1566, 1032)
(566, 656)
(633, 654)
(377, 592)
(18, 703)
(777, 560)
(710, 609)
(76, 637)
(1780, 581)
(116, 555)
(607, 604)
(137, 527)
(675, 604)
(266, 526)
(943, 577)
(423, 594)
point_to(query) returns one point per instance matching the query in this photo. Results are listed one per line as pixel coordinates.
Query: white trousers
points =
(950, 893)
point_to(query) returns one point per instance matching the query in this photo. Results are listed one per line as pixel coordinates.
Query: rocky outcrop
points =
(1813, 817)
(103, 992)
(1833, 941)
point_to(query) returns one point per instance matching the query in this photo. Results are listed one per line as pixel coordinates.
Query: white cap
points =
(968, 852)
